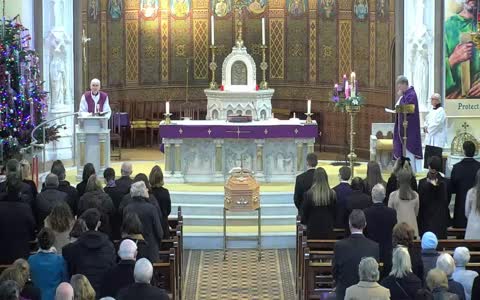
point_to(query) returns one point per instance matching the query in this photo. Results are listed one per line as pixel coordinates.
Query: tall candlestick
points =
(213, 29)
(263, 31)
(309, 106)
(167, 107)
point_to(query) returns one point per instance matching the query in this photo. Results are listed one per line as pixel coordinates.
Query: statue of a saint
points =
(221, 8)
(115, 9)
(256, 7)
(381, 8)
(57, 71)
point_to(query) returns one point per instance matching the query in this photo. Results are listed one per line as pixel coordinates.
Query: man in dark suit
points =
(93, 253)
(142, 289)
(348, 253)
(48, 199)
(358, 199)
(304, 180)
(121, 275)
(462, 179)
(123, 183)
(342, 191)
(64, 186)
(380, 222)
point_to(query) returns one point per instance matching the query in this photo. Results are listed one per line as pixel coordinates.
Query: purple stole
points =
(91, 102)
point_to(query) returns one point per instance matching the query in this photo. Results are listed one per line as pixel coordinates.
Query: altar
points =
(205, 151)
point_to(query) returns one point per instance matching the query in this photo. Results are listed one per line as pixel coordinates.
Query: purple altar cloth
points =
(123, 118)
(198, 129)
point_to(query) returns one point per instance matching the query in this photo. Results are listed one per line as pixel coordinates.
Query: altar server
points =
(435, 125)
(95, 101)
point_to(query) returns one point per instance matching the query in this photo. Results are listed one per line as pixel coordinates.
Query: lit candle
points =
(309, 106)
(167, 107)
(352, 80)
(335, 87)
(346, 86)
(263, 31)
(213, 30)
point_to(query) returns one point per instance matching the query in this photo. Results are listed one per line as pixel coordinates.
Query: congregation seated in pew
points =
(81, 243)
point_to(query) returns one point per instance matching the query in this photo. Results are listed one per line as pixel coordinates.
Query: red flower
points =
(222, 88)
(257, 87)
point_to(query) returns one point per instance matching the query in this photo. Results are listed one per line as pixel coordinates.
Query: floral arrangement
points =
(347, 94)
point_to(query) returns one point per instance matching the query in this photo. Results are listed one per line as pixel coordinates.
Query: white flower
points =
(355, 102)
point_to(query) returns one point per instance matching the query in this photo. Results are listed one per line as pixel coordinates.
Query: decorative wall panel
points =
(131, 37)
(360, 49)
(277, 48)
(297, 54)
(149, 52)
(345, 48)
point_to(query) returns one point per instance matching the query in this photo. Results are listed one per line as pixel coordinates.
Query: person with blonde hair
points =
(446, 263)
(367, 288)
(402, 282)
(437, 284)
(19, 272)
(318, 207)
(26, 171)
(392, 183)
(82, 289)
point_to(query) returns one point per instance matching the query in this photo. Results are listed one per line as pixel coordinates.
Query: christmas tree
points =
(22, 98)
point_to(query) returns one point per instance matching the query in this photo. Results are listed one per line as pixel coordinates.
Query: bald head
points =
(143, 271)
(126, 169)
(127, 250)
(64, 292)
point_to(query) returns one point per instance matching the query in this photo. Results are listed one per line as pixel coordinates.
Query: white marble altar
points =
(239, 95)
(205, 151)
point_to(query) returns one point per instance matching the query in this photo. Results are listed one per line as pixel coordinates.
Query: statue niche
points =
(239, 73)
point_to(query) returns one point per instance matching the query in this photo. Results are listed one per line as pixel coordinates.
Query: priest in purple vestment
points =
(95, 101)
(414, 142)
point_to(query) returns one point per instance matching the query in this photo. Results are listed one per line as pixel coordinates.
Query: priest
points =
(414, 143)
(95, 101)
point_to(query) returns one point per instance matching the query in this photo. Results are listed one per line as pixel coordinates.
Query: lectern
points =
(93, 143)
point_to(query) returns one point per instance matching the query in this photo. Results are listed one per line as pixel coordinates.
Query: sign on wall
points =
(462, 59)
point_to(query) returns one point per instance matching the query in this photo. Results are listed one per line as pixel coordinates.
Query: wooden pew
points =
(318, 277)
(164, 275)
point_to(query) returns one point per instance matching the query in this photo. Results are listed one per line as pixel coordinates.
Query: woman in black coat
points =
(318, 207)
(161, 194)
(88, 170)
(433, 214)
(149, 217)
(402, 282)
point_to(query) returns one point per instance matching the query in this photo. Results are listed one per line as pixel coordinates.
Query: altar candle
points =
(213, 29)
(346, 86)
(309, 106)
(167, 107)
(335, 88)
(263, 31)
(352, 80)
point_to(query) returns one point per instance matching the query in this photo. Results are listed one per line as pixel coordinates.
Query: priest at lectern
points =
(95, 101)
(414, 143)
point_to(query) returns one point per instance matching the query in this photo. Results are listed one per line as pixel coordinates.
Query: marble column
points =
(218, 158)
(259, 165)
(300, 158)
(178, 159)
(58, 71)
(167, 159)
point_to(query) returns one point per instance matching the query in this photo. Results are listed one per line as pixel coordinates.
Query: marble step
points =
(272, 240)
(237, 220)
(218, 197)
(217, 209)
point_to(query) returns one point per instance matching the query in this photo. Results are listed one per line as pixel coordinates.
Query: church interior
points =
(227, 101)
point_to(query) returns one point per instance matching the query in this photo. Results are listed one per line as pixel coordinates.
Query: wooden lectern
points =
(93, 143)
(405, 109)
